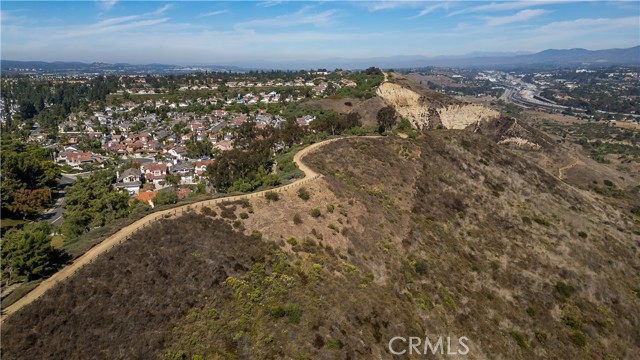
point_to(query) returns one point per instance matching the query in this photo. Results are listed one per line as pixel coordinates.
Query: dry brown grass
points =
(447, 234)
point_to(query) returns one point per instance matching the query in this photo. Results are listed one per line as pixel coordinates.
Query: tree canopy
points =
(28, 173)
(27, 252)
(387, 118)
(92, 202)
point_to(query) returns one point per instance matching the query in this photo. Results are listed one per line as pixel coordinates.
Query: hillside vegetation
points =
(443, 235)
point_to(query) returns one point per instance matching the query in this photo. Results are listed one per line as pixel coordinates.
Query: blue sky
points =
(228, 33)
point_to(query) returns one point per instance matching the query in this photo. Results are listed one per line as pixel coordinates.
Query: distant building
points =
(130, 180)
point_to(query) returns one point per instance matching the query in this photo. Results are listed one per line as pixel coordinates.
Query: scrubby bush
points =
(564, 289)
(291, 311)
(578, 338)
(272, 196)
(330, 208)
(297, 219)
(244, 215)
(303, 194)
(316, 213)
(166, 197)
(208, 211)
(521, 339)
(421, 267)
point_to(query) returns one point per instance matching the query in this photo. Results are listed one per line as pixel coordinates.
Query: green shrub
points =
(316, 213)
(564, 289)
(244, 215)
(531, 311)
(315, 233)
(292, 241)
(526, 220)
(208, 211)
(572, 322)
(272, 196)
(334, 227)
(166, 197)
(421, 267)
(541, 337)
(494, 265)
(330, 208)
(334, 344)
(521, 339)
(608, 183)
(303, 194)
(541, 221)
(578, 338)
(297, 219)
(291, 311)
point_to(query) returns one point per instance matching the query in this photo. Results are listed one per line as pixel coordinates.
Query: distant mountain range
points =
(582, 57)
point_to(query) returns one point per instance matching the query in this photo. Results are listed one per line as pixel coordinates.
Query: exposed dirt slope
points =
(427, 109)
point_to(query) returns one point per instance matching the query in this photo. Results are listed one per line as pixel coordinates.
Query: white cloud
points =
(522, 15)
(590, 25)
(269, 3)
(100, 28)
(432, 8)
(161, 10)
(107, 4)
(389, 5)
(503, 6)
(113, 21)
(213, 13)
(302, 17)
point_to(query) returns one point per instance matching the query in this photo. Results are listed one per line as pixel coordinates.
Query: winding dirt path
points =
(562, 171)
(125, 233)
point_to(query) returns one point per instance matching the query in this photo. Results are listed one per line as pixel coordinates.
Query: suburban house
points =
(77, 158)
(224, 145)
(130, 180)
(155, 172)
(147, 196)
(201, 166)
(185, 171)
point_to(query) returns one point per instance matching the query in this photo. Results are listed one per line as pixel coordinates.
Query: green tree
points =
(27, 252)
(387, 118)
(93, 202)
(27, 173)
(173, 179)
(166, 197)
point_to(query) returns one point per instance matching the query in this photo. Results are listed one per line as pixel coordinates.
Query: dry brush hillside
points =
(447, 234)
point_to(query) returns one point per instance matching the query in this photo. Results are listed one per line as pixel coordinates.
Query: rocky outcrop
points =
(511, 132)
(425, 112)
(461, 116)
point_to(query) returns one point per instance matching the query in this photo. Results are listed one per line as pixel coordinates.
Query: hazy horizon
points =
(238, 33)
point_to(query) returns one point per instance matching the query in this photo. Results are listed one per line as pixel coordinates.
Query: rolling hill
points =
(452, 233)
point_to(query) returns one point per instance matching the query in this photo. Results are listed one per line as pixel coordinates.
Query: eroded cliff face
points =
(461, 116)
(406, 102)
(426, 114)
